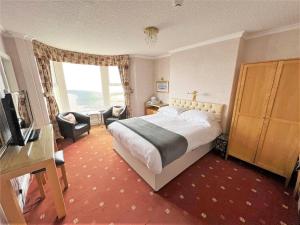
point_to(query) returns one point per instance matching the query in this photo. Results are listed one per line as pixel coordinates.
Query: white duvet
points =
(195, 134)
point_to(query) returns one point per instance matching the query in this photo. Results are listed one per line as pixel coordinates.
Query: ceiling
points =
(116, 27)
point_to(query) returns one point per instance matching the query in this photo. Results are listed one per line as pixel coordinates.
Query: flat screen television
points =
(19, 118)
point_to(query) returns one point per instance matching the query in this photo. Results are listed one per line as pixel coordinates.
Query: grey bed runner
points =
(169, 144)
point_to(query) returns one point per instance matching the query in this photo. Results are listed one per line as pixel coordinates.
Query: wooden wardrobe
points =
(265, 128)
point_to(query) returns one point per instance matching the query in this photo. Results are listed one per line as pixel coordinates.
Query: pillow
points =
(116, 111)
(171, 111)
(70, 118)
(194, 115)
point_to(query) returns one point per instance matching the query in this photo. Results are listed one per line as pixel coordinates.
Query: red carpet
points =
(104, 190)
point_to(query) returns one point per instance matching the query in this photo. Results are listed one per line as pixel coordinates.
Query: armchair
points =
(109, 118)
(70, 130)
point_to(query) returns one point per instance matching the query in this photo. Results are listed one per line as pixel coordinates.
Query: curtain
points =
(44, 53)
(22, 109)
(124, 74)
(43, 65)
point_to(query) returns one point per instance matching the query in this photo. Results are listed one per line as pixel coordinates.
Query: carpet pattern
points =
(105, 190)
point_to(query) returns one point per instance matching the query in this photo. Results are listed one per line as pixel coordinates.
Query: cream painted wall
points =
(162, 70)
(142, 79)
(282, 45)
(209, 69)
(27, 76)
(1, 44)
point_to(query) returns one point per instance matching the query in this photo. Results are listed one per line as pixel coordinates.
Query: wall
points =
(1, 43)
(162, 70)
(282, 45)
(27, 76)
(209, 69)
(142, 79)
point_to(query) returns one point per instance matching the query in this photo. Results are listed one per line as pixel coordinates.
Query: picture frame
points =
(162, 86)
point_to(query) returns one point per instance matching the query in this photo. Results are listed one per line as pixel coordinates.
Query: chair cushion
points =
(70, 118)
(80, 126)
(39, 171)
(116, 111)
(59, 158)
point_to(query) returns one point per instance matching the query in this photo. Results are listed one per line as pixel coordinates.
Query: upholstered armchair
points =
(108, 117)
(71, 130)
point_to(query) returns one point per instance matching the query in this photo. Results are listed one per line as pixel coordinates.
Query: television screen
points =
(5, 134)
(18, 115)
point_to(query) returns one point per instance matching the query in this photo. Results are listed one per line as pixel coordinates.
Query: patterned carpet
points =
(104, 190)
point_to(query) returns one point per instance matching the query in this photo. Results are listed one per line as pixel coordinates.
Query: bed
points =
(144, 157)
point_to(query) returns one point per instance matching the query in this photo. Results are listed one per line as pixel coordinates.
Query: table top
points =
(18, 157)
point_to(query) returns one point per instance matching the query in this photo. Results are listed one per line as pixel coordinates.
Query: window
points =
(83, 84)
(85, 88)
(116, 91)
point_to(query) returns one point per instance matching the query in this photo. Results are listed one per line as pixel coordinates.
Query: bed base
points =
(157, 181)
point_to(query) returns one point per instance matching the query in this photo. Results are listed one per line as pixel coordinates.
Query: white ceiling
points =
(116, 27)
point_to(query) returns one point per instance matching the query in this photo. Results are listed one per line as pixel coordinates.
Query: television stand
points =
(16, 163)
(34, 135)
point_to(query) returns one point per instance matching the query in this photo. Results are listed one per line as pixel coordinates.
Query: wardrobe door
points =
(254, 89)
(280, 142)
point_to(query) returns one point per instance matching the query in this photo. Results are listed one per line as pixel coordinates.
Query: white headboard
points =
(215, 108)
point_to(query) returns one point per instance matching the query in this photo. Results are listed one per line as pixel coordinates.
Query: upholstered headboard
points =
(215, 108)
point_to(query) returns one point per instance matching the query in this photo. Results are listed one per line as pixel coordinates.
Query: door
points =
(253, 94)
(280, 142)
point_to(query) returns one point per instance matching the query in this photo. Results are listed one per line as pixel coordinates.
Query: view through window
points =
(86, 87)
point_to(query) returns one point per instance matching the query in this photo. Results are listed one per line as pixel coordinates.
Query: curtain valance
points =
(44, 53)
(42, 50)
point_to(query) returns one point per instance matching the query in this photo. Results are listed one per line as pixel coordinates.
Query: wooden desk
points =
(18, 161)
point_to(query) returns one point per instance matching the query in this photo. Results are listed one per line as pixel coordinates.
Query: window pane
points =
(114, 75)
(83, 84)
(117, 99)
(116, 89)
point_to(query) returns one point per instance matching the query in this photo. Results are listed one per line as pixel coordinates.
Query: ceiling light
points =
(177, 3)
(151, 35)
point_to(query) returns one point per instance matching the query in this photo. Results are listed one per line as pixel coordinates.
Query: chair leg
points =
(40, 183)
(43, 176)
(64, 176)
(297, 185)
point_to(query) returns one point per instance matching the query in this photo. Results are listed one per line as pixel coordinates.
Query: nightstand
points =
(153, 108)
(221, 143)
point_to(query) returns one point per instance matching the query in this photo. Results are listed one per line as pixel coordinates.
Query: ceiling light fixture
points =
(177, 3)
(151, 35)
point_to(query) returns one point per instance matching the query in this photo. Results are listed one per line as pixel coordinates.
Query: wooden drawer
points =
(150, 111)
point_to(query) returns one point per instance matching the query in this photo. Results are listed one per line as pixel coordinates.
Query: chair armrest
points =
(123, 114)
(65, 123)
(107, 114)
(82, 118)
(66, 128)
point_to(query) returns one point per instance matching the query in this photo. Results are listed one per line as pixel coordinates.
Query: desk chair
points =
(40, 174)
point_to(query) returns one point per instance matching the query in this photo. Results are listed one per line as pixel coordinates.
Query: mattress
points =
(195, 134)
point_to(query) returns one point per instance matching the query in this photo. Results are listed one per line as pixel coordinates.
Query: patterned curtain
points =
(124, 74)
(44, 53)
(22, 109)
(43, 65)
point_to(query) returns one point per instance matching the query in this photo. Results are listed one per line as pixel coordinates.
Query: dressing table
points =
(20, 160)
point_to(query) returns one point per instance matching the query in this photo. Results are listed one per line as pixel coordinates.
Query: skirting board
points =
(157, 181)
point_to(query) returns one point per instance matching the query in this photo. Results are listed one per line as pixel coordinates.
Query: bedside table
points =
(221, 143)
(153, 108)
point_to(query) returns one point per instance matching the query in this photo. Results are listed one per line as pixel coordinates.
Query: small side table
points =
(221, 143)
